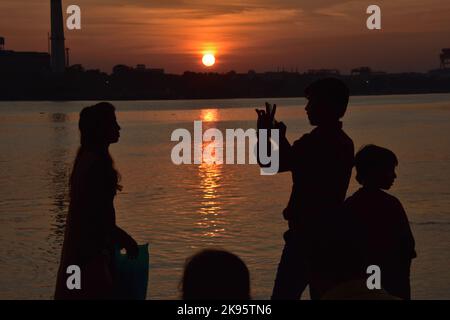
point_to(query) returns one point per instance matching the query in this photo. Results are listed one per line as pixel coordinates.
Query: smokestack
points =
(67, 58)
(57, 37)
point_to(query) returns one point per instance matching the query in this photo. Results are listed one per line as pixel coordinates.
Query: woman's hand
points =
(132, 248)
(127, 242)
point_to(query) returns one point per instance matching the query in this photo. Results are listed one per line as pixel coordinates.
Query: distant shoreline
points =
(218, 98)
(134, 85)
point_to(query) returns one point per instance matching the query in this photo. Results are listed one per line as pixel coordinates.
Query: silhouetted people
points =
(91, 232)
(338, 270)
(215, 275)
(379, 225)
(321, 163)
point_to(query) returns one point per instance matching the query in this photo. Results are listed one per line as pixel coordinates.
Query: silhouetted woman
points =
(91, 232)
(215, 275)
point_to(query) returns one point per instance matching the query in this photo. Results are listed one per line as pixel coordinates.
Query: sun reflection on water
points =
(210, 205)
(211, 215)
(209, 115)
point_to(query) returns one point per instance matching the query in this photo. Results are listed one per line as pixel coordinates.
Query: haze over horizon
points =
(261, 35)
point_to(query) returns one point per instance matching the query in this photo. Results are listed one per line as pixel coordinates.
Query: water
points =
(181, 209)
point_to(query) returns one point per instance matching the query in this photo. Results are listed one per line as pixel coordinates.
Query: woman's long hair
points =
(92, 123)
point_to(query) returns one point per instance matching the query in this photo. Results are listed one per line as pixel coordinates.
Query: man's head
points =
(375, 167)
(327, 101)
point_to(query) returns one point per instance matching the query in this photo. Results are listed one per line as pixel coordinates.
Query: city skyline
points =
(260, 35)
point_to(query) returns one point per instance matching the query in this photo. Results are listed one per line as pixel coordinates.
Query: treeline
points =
(130, 84)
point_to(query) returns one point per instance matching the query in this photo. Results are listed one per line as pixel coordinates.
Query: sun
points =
(208, 59)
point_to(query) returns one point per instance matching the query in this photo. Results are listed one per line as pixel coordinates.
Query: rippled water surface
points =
(181, 209)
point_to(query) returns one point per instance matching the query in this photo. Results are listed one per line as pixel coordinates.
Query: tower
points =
(58, 59)
(445, 58)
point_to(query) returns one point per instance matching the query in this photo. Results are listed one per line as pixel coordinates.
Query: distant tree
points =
(121, 69)
(75, 68)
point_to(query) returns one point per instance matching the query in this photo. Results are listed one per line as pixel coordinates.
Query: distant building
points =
(140, 67)
(273, 76)
(143, 68)
(121, 69)
(58, 57)
(445, 58)
(31, 62)
(251, 74)
(323, 72)
(22, 62)
(444, 68)
(365, 71)
(361, 71)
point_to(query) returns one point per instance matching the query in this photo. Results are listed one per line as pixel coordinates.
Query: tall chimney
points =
(58, 48)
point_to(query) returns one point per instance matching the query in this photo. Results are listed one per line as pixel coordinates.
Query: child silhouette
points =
(378, 221)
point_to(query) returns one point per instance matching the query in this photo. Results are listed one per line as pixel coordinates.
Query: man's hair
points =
(371, 159)
(331, 91)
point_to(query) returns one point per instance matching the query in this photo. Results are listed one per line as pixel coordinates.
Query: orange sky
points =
(260, 35)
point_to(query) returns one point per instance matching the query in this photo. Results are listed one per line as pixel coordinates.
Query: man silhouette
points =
(321, 163)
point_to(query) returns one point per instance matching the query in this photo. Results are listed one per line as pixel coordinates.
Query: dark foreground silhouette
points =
(321, 163)
(215, 275)
(328, 246)
(91, 233)
(377, 222)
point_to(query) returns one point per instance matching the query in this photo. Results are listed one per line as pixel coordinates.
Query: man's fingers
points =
(267, 108)
(272, 115)
(260, 113)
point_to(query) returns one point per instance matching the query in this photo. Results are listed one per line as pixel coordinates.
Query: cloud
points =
(250, 34)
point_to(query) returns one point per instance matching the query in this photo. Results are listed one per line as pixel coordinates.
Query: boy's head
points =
(327, 101)
(375, 167)
(215, 275)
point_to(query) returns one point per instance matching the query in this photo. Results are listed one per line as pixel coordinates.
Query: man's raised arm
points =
(266, 120)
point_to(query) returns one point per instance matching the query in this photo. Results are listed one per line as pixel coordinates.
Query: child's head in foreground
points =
(327, 101)
(215, 275)
(375, 167)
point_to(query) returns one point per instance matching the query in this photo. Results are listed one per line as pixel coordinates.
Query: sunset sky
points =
(260, 35)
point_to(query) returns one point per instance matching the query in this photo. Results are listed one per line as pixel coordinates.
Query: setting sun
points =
(208, 59)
